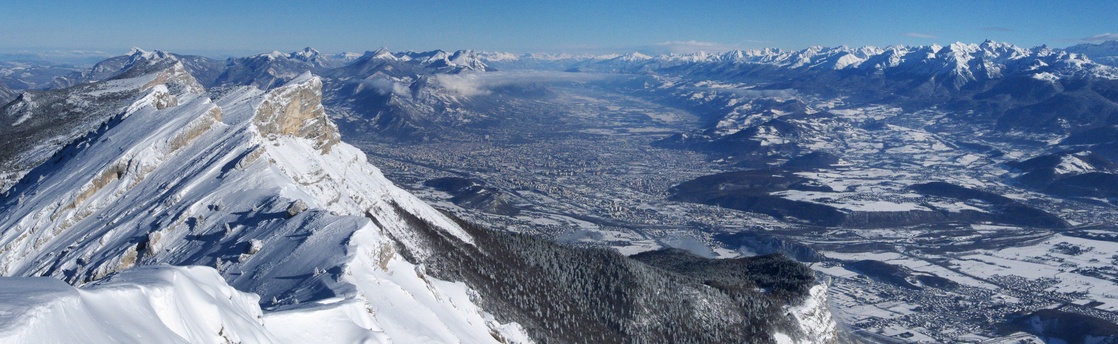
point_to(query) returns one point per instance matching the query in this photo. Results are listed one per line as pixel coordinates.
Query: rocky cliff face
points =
(256, 184)
(296, 110)
(179, 178)
(814, 319)
(42, 123)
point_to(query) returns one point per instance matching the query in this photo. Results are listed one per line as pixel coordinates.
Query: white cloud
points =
(466, 84)
(666, 47)
(751, 93)
(471, 84)
(385, 86)
(919, 35)
(691, 46)
(1102, 37)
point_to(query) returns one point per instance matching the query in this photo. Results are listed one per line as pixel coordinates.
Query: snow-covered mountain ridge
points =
(398, 94)
(33, 134)
(1105, 52)
(960, 61)
(256, 184)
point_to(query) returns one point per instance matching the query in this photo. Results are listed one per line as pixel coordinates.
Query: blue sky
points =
(252, 26)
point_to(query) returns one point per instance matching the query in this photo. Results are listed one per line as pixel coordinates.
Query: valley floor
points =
(598, 181)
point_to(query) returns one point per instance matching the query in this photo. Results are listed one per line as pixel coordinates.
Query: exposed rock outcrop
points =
(295, 109)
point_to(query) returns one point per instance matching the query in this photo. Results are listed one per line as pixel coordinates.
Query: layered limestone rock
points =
(295, 109)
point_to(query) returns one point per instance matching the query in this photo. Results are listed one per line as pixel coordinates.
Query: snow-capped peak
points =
(135, 51)
(1105, 52)
(498, 56)
(346, 56)
(381, 53)
(635, 56)
(138, 56)
(956, 64)
(459, 61)
(307, 54)
(256, 185)
(139, 63)
(464, 58)
(275, 54)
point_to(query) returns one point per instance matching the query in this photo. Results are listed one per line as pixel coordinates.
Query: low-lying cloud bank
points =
(384, 86)
(471, 84)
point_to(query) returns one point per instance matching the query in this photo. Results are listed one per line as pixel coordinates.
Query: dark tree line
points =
(562, 294)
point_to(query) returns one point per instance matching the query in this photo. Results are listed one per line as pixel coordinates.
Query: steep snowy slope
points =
(201, 67)
(39, 123)
(151, 304)
(255, 184)
(6, 94)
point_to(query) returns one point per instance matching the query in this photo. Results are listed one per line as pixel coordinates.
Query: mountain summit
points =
(183, 214)
(254, 184)
(956, 65)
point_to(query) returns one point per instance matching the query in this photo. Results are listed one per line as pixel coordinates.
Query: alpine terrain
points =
(169, 198)
(936, 193)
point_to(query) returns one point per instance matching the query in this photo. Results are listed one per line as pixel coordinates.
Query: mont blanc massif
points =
(961, 193)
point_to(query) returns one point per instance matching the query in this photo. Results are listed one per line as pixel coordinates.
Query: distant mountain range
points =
(241, 164)
(1105, 52)
(395, 94)
(959, 63)
(229, 210)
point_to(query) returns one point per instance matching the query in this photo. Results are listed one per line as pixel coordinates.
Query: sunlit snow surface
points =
(151, 304)
(197, 182)
(813, 317)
